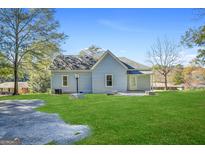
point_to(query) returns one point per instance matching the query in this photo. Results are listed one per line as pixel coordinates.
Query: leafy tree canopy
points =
(196, 38)
(26, 33)
(93, 51)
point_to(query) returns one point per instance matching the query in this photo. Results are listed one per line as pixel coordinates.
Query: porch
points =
(138, 81)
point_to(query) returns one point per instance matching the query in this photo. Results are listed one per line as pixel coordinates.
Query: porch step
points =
(150, 92)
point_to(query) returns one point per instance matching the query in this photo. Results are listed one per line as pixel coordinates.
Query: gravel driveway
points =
(19, 120)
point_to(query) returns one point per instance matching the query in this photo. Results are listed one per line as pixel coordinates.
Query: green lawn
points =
(167, 118)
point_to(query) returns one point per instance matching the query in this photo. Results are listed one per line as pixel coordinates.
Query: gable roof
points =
(133, 65)
(77, 62)
(112, 55)
(73, 62)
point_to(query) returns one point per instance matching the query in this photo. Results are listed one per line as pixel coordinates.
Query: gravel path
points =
(19, 120)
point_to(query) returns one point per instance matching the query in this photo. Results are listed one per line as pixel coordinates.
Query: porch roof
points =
(138, 72)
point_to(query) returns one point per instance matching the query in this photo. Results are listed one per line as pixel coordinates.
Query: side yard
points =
(167, 118)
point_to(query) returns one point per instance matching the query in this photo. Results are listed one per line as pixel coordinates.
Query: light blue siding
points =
(85, 84)
(93, 81)
(109, 66)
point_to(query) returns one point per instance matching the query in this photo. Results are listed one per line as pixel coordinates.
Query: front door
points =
(132, 82)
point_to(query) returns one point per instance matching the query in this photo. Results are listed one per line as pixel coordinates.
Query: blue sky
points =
(126, 32)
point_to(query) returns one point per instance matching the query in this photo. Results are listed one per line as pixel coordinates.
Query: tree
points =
(5, 69)
(39, 72)
(187, 76)
(92, 51)
(164, 55)
(196, 38)
(21, 32)
(177, 76)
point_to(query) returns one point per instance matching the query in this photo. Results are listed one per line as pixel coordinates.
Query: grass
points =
(168, 118)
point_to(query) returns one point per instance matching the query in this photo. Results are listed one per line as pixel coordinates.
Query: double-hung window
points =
(65, 81)
(108, 80)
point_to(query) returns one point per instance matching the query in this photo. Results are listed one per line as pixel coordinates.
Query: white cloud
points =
(117, 25)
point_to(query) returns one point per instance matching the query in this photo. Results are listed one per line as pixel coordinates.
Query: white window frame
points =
(106, 80)
(62, 80)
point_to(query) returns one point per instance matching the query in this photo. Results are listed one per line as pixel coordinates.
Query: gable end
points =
(104, 56)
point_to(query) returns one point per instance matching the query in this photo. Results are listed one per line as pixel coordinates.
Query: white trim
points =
(99, 60)
(62, 80)
(106, 81)
(69, 71)
(112, 55)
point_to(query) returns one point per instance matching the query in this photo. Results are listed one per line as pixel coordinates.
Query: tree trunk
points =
(165, 81)
(16, 54)
(15, 80)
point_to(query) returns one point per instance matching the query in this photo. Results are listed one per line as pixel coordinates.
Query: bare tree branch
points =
(163, 55)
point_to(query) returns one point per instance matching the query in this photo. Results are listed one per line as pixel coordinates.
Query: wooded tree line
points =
(189, 76)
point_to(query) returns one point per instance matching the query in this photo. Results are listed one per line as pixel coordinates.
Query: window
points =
(108, 80)
(65, 80)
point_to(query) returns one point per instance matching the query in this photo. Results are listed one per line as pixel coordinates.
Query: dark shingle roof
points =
(86, 62)
(132, 64)
(73, 62)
